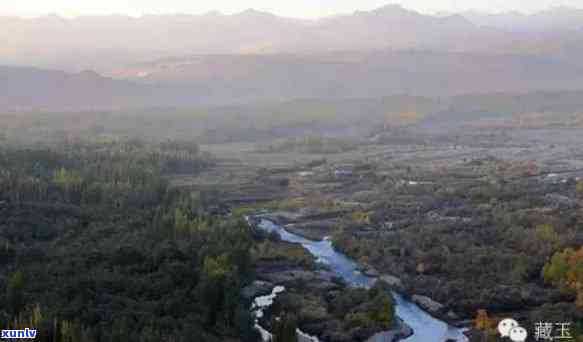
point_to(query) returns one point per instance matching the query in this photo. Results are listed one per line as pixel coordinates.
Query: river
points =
(426, 328)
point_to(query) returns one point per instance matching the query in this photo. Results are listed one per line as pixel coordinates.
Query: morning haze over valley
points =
(187, 60)
(306, 172)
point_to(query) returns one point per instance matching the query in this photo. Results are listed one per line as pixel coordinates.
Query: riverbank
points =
(265, 317)
(425, 327)
(321, 328)
(306, 230)
(312, 293)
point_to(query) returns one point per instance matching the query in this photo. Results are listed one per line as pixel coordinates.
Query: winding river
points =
(426, 328)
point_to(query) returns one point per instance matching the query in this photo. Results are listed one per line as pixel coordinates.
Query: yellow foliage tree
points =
(361, 217)
(565, 270)
(482, 320)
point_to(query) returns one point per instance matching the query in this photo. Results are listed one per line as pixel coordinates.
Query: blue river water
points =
(426, 328)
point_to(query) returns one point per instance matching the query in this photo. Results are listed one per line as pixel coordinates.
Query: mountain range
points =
(359, 74)
(250, 57)
(554, 19)
(102, 43)
(210, 80)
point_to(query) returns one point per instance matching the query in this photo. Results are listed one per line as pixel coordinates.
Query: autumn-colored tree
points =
(482, 320)
(360, 217)
(579, 301)
(579, 187)
(485, 323)
(565, 270)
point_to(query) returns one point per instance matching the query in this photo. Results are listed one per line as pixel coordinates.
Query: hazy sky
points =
(294, 8)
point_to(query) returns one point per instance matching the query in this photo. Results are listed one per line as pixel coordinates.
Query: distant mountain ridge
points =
(554, 19)
(186, 61)
(360, 74)
(212, 80)
(30, 89)
(107, 42)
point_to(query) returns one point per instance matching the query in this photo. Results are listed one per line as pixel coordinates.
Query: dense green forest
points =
(94, 246)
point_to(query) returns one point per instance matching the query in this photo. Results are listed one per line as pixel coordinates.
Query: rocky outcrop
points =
(433, 307)
(369, 271)
(393, 282)
(303, 337)
(427, 304)
(401, 332)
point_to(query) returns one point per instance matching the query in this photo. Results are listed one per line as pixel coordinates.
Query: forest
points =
(96, 247)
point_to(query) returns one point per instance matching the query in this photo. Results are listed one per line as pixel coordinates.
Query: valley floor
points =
(461, 229)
